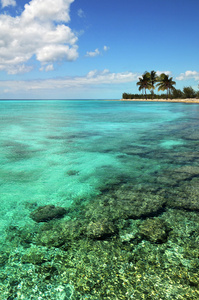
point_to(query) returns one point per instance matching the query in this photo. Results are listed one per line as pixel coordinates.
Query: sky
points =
(95, 49)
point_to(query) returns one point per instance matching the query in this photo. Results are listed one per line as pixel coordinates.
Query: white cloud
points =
(81, 13)
(165, 72)
(47, 10)
(37, 31)
(188, 75)
(96, 52)
(106, 48)
(93, 53)
(49, 68)
(106, 77)
(18, 69)
(5, 3)
(93, 78)
(52, 53)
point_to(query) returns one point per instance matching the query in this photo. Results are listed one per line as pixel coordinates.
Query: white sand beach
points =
(190, 100)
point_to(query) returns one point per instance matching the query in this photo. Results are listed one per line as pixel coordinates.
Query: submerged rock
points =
(192, 135)
(185, 197)
(4, 256)
(34, 256)
(140, 204)
(124, 203)
(59, 233)
(100, 229)
(181, 157)
(47, 213)
(154, 230)
(136, 150)
(50, 238)
(186, 172)
(21, 235)
(72, 172)
(177, 176)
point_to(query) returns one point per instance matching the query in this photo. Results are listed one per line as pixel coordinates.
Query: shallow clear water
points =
(78, 155)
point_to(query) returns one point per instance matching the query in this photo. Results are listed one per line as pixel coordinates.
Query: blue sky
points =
(72, 49)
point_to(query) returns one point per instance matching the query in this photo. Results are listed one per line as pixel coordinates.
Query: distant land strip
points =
(188, 100)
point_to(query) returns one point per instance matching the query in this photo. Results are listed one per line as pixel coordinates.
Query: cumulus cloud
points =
(106, 77)
(165, 72)
(93, 78)
(5, 3)
(39, 31)
(188, 75)
(93, 53)
(47, 68)
(96, 52)
(18, 69)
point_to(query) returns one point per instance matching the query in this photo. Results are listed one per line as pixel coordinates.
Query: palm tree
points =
(165, 83)
(144, 82)
(153, 79)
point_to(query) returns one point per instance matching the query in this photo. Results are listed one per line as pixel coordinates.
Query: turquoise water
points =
(127, 175)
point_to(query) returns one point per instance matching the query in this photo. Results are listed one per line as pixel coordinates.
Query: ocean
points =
(99, 200)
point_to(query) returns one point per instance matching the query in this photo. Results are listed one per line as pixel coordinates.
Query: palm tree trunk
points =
(152, 94)
(145, 94)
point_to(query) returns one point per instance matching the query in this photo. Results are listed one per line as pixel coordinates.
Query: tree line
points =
(150, 80)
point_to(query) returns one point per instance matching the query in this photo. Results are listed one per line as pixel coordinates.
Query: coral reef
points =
(154, 230)
(47, 212)
(186, 196)
(101, 228)
(129, 242)
(124, 202)
(151, 262)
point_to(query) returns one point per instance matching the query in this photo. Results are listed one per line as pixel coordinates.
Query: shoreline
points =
(191, 100)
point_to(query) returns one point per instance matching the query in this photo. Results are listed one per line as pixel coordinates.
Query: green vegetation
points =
(153, 80)
(147, 81)
(189, 92)
(144, 83)
(165, 83)
(150, 80)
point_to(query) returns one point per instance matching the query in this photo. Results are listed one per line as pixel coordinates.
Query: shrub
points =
(177, 94)
(189, 92)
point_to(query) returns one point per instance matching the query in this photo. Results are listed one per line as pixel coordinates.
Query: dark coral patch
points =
(154, 230)
(47, 213)
(100, 229)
